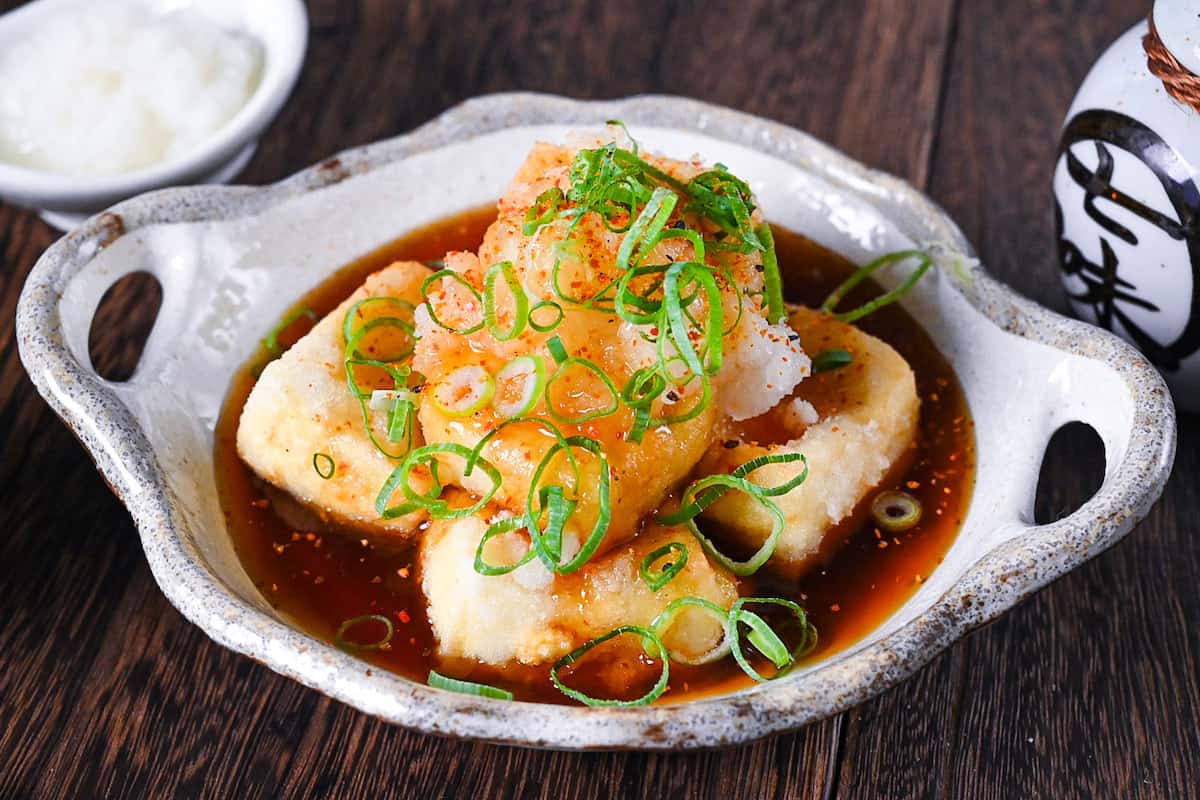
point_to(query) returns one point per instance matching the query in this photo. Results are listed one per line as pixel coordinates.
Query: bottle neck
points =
(1178, 24)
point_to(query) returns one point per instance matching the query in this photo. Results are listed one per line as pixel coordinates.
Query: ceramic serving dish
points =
(231, 260)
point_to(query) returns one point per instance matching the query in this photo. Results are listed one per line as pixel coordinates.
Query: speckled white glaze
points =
(231, 259)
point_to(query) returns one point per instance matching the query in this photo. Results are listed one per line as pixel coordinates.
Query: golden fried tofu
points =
(533, 617)
(854, 425)
(584, 265)
(301, 406)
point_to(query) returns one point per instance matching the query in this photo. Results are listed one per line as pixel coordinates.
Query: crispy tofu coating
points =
(855, 425)
(301, 406)
(532, 617)
(584, 265)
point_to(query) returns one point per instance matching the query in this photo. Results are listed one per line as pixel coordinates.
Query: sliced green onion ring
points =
(545, 327)
(696, 500)
(865, 271)
(494, 530)
(643, 233)
(324, 465)
(543, 210)
(530, 371)
(348, 321)
(765, 551)
(471, 387)
(772, 282)
(557, 350)
(603, 502)
(440, 681)
(340, 640)
(751, 466)
(649, 697)
(612, 405)
(666, 618)
(504, 269)
(431, 501)
(657, 579)
(896, 512)
(360, 333)
(764, 638)
(461, 280)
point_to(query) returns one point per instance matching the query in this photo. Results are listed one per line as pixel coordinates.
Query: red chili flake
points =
(404, 617)
(402, 572)
(835, 607)
(261, 502)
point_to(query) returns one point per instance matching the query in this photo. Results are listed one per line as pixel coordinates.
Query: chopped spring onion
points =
(772, 282)
(658, 578)
(431, 501)
(519, 384)
(464, 391)
(545, 327)
(865, 271)
(611, 405)
(494, 530)
(680, 331)
(666, 618)
(544, 210)
(643, 233)
(764, 638)
(647, 637)
(896, 512)
(829, 360)
(340, 637)
(462, 281)
(547, 542)
(384, 399)
(700, 500)
(557, 350)
(352, 333)
(764, 552)
(402, 420)
(324, 464)
(641, 390)
(440, 681)
(504, 269)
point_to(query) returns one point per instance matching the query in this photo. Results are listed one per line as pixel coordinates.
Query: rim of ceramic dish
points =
(995, 583)
(281, 69)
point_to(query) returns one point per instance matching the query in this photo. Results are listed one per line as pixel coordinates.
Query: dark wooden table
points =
(1091, 689)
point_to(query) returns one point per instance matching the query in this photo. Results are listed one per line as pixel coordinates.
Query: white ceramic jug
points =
(1127, 206)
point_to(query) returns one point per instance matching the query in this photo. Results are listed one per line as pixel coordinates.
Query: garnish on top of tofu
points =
(558, 406)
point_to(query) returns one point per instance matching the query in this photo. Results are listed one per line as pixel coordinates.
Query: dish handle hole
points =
(1072, 472)
(122, 324)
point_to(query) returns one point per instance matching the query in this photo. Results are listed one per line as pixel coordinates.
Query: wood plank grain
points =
(1089, 689)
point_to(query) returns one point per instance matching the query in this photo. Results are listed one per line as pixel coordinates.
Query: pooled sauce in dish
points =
(319, 578)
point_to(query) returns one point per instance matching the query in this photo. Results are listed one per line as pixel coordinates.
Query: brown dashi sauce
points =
(319, 577)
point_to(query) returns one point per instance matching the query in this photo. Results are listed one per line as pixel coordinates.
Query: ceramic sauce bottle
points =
(1127, 206)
